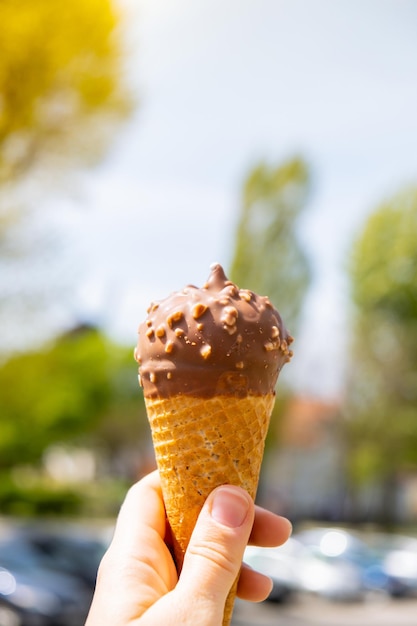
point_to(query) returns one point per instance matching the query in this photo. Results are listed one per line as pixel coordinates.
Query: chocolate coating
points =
(210, 341)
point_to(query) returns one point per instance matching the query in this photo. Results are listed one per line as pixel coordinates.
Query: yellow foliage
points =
(59, 62)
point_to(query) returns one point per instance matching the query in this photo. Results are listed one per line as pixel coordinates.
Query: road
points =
(307, 611)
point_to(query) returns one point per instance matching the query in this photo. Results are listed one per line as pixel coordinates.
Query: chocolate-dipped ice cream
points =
(209, 360)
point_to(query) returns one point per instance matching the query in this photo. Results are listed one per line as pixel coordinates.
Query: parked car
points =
(73, 553)
(280, 564)
(296, 568)
(9, 613)
(33, 591)
(349, 555)
(398, 554)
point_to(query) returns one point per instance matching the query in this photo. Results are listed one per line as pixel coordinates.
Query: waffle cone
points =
(201, 443)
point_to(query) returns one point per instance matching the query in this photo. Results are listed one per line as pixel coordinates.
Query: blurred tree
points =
(60, 81)
(268, 257)
(63, 95)
(382, 424)
(66, 393)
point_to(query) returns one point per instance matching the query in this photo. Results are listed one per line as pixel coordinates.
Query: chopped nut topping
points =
(231, 310)
(229, 316)
(198, 310)
(215, 338)
(229, 320)
(205, 351)
(231, 290)
(174, 317)
(245, 294)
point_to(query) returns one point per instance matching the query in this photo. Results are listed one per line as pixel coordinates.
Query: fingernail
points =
(229, 507)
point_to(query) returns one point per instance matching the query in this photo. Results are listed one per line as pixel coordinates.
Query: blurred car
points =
(44, 599)
(9, 613)
(36, 593)
(333, 580)
(279, 564)
(297, 568)
(398, 554)
(350, 556)
(71, 553)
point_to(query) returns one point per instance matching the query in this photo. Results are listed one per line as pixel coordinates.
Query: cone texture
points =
(201, 443)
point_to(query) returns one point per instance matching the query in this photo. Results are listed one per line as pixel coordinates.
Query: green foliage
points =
(274, 434)
(80, 391)
(384, 268)
(60, 67)
(39, 499)
(51, 395)
(268, 257)
(66, 393)
(384, 287)
(382, 410)
(124, 424)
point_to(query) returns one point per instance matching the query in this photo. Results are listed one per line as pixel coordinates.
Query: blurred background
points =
(140, 141)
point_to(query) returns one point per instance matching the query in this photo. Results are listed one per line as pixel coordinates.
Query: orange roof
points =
(304, 422)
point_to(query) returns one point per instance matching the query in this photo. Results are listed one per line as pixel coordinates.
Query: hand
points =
(137, 582)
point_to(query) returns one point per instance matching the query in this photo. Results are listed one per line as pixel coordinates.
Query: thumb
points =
(214, 555)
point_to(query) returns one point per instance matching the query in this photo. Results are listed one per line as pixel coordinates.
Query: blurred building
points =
(305, 475)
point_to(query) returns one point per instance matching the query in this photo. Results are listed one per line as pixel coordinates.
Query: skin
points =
(137, 582)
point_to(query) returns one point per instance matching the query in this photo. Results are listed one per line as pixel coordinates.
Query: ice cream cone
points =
(209, 360)
(201, 443)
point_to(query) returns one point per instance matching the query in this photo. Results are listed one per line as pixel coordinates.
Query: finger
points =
(144, 506)
(137, 558)
(269, 530)
(253, 586)
(140, 532)
(214, 555)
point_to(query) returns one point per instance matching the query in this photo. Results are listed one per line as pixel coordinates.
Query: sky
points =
(220, 87)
